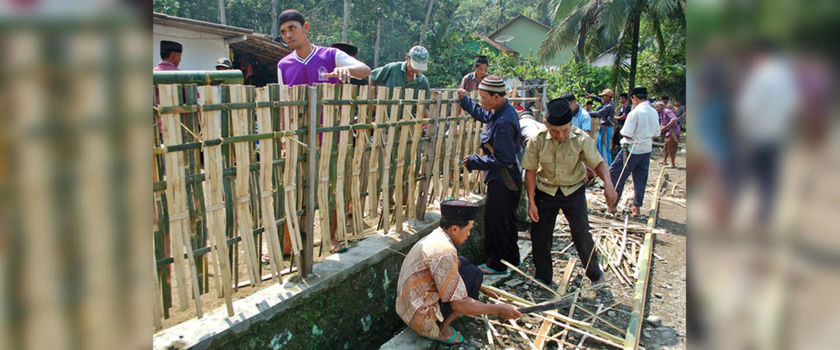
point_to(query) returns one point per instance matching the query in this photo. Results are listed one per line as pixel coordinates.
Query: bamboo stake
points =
(358, 152)
(476, 176)
(157, 311)
(373, 162)
(343, 139)
(447, 157)
(290, 121)
(214, 197)
(400, 162)
(429, 161)
(634, 326)
(567, 275)
(456, 158)
(386, 165)
(411, 211)
(242, 190)
(325, 146)
(439, 145)
(275, 253)
(623, 239)
(542, 334)
(177, 202)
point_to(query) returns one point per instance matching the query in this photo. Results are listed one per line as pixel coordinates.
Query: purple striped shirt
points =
(309, 70)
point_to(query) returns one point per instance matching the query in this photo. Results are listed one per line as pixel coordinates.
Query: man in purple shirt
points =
(670, 128)
(170, 54)
(311, 64)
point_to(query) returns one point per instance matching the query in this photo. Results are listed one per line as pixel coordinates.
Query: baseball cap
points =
(419, 57)
(224, 62)
(607, 92)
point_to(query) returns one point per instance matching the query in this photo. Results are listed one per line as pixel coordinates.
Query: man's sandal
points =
(455, 339)
(490, 271)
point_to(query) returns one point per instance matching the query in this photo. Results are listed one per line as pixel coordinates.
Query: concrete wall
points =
(347, 304)
(201, 50)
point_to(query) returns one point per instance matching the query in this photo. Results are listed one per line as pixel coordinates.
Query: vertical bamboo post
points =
(214, 196)
(343, 140)
(400, 162)
(386, 163)
(242, 191)
(273, 239)
(415, 148)
(448, 153)
(439, 145)
(376, 143)
(311, 185)
(177, 202)
(428, 159)
(358, 154)
(290, 121)
(325, 146)
(457, 158)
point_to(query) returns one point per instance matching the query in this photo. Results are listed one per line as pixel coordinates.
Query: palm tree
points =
(594, 26)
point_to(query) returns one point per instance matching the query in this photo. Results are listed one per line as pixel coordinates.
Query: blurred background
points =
(764, 167)
(764, 249)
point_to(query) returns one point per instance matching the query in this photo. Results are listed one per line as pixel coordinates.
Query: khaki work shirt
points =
(558, 164)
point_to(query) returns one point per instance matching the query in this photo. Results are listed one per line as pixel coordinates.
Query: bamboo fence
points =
(233, 169)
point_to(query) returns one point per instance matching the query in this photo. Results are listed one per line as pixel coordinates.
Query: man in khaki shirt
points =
(554, 178)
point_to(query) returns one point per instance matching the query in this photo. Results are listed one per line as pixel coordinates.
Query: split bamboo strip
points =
(437, 182)
(623, 239)
(634, 327)
(447, 156)
(242, 191)
(386, 165)
(567, 275)
(290, 121)
(325, 147)
(521, 333)
(415, 169)
(400, 163)
(476, 146)
(344, 137)
(358, 153)
(429, 160)
(542, 334)
(373, 162)
(214, 197)
(571, 314)
(176, 197)
(275, 253)
(510, 266)
(586, 330)
(553, 338)
(157, 311)
(456, 158)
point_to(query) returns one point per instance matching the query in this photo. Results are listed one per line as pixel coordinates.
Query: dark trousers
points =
(472, 277)
(500, 236)
(542, 232)
(637, 164)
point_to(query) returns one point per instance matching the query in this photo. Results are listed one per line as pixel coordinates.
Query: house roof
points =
(499, 46)
(257, 44)
(517, 18)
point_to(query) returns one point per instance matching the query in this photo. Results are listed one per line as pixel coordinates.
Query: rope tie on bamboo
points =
(217, 206)
(244, 199)
(179, 216)
(267, 193)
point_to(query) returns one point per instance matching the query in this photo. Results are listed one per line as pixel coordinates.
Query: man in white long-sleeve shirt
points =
(636, 144)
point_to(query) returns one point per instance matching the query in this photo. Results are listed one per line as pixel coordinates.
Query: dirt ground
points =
(664, 326)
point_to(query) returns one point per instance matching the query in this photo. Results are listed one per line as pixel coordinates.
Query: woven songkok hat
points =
(492, 84)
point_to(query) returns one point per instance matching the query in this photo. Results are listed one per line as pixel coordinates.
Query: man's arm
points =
(346, 66)
(531, 189)
(503, 151)
(473, 108)
(470, 306)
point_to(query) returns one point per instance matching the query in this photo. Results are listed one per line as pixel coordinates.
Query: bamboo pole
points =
(457, 158)
(310, 184)
(358, 153)
(439, 145)
(400, 163)
(176, 195)
(447, 156)
(290, 121)
(344, 138)
(386, 165)
(210, 77)
(634, 326)
(273, 239)
(429, 160)
(476, 176)
(325, 146)
(411, 212)
(373, 162)
(214, 197)
(242, 190)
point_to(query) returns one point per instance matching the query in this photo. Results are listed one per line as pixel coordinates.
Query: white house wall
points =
(201, 50)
